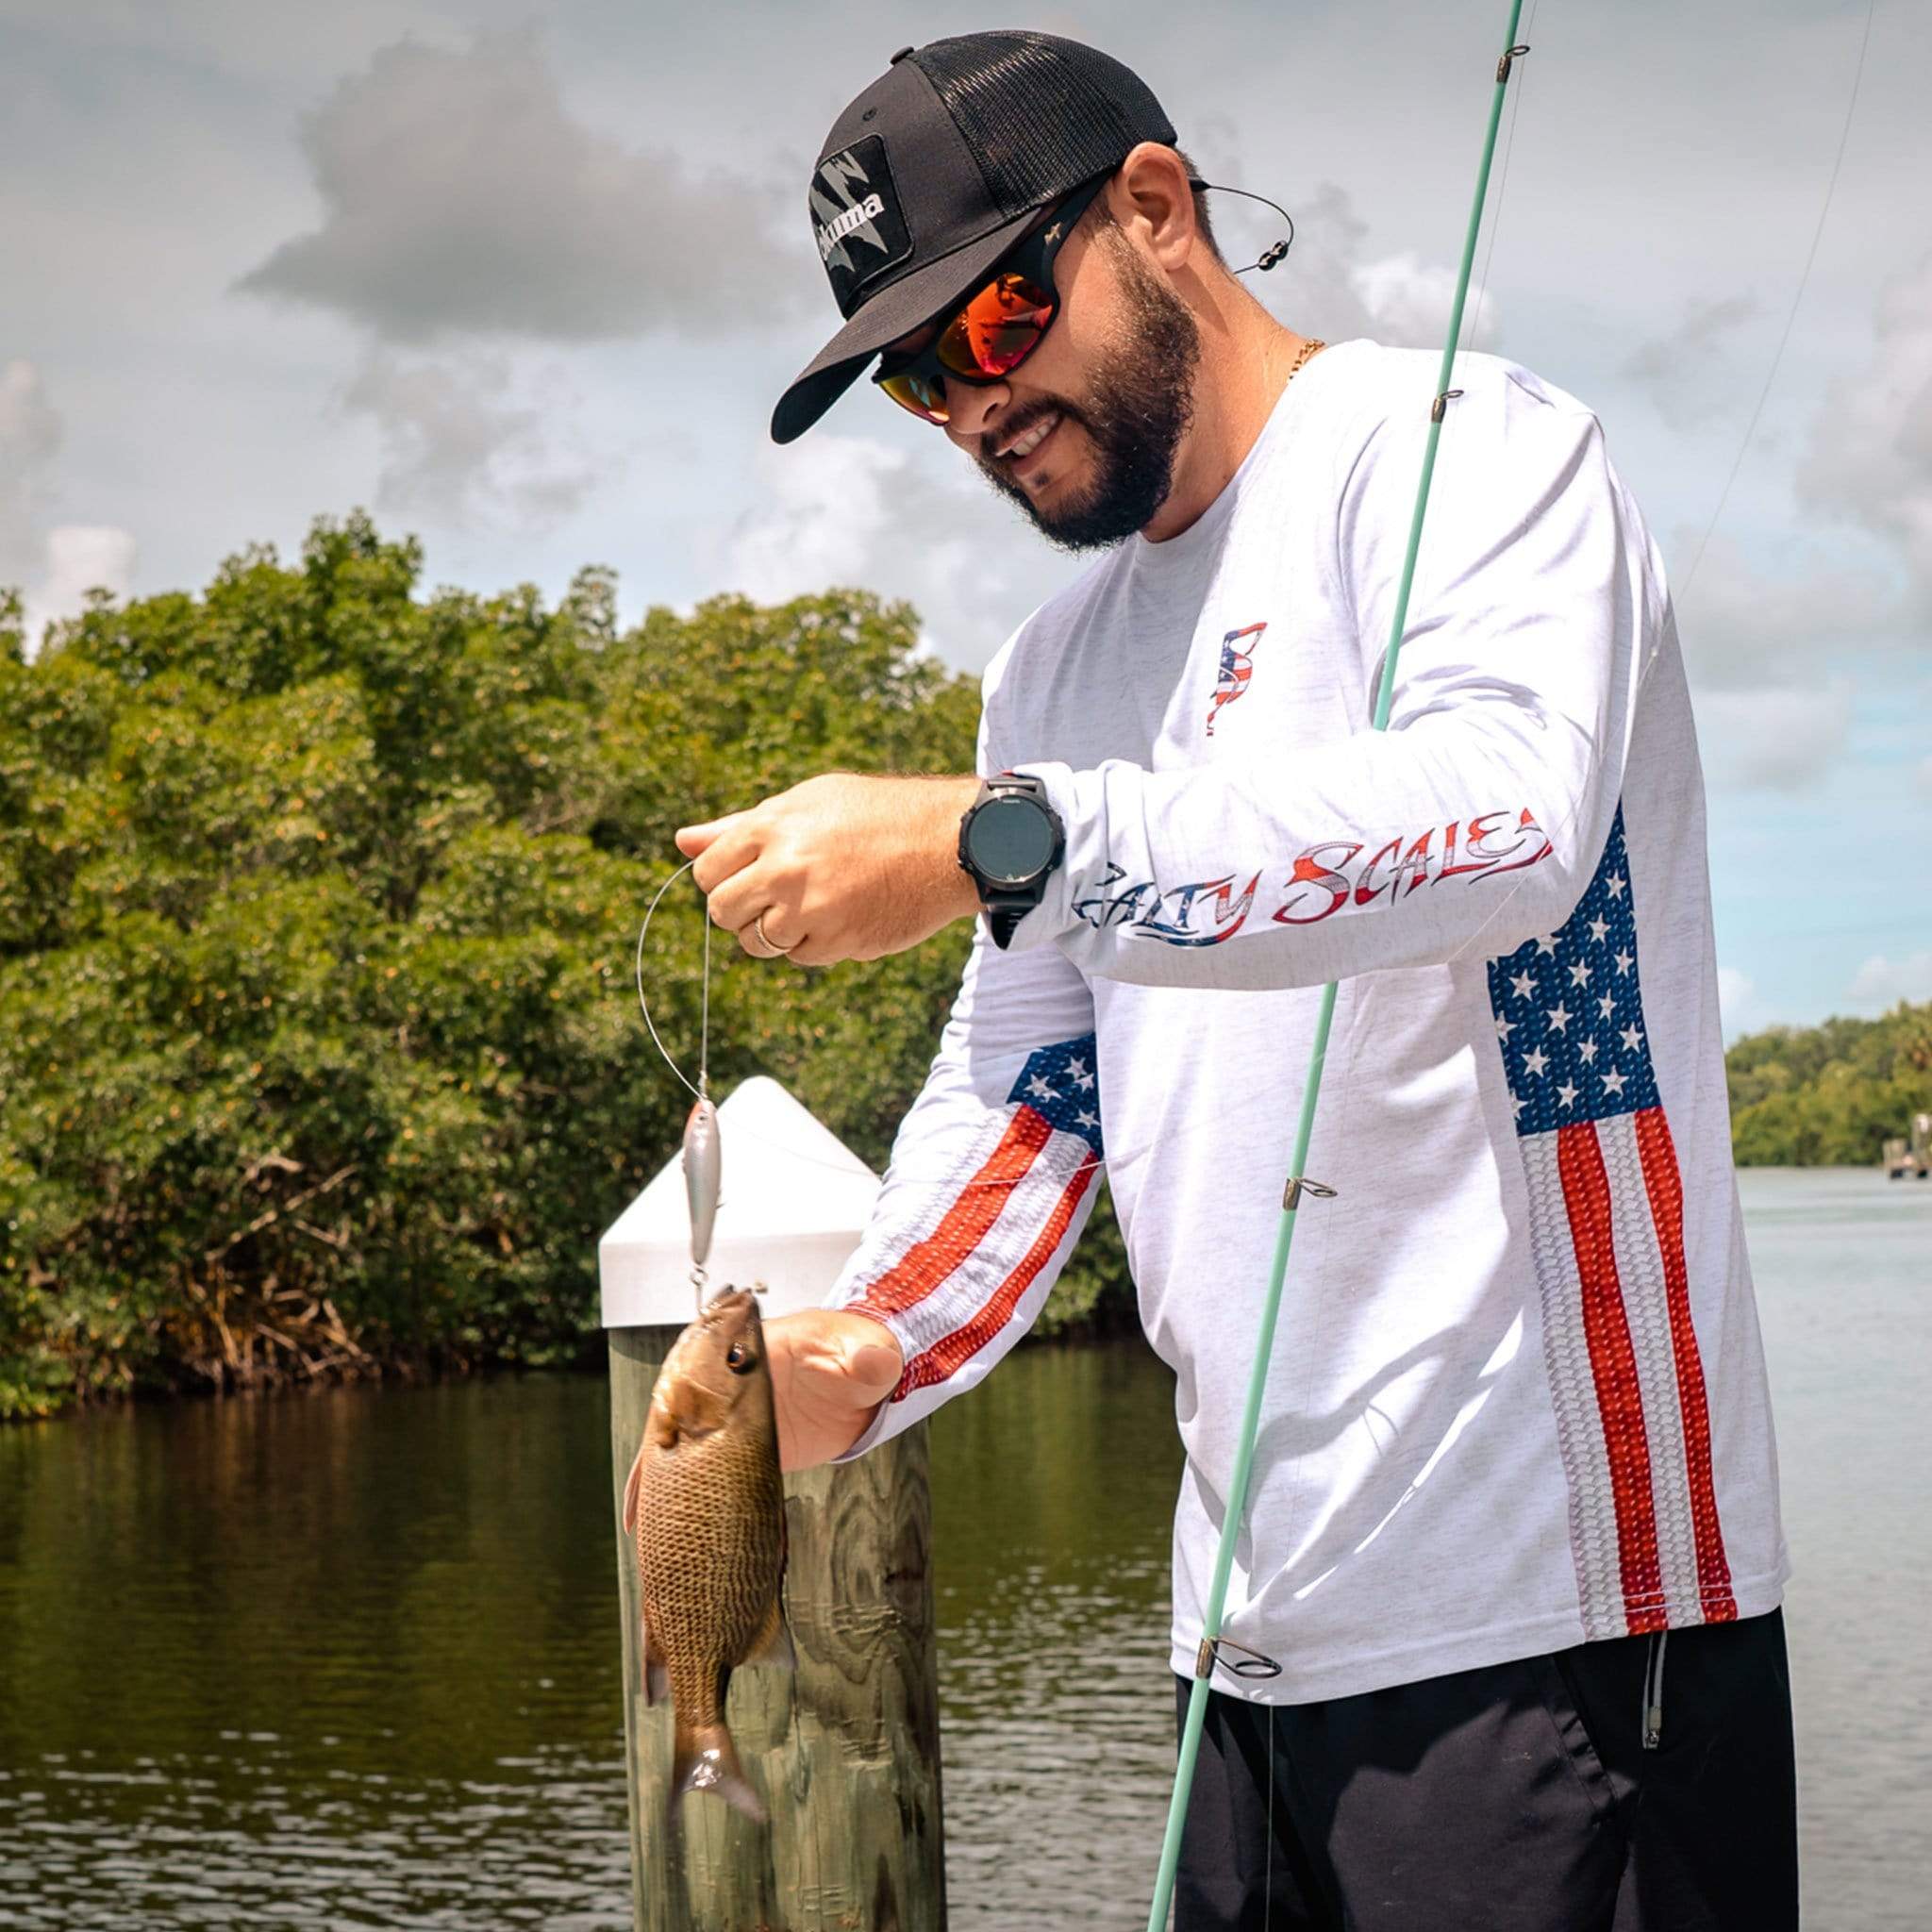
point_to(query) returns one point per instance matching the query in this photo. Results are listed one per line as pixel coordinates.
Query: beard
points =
(1135, 411)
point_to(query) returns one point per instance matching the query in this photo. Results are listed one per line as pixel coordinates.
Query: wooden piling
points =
(846, 1752)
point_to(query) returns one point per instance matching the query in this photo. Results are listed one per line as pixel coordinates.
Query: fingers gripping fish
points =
(706, 1505)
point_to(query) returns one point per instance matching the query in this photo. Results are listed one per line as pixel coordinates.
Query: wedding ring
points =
(757, 925)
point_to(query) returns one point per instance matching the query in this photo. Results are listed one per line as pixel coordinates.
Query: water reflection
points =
(350, 1659)
(1053, 1490)
(336, 1660)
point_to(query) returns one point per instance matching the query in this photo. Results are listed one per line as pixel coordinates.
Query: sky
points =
(527, 279)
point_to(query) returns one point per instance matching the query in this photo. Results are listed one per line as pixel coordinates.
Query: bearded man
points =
(1517, 1447)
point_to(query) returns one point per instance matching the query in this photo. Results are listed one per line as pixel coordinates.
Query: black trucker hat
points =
(933, 171)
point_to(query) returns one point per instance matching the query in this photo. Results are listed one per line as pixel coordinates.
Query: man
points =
(1517, 1429)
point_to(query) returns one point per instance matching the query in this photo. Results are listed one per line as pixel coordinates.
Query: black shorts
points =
(1521, 1797)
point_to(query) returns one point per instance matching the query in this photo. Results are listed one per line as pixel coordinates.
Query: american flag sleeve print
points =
(1607, 1232)
(991, 1179)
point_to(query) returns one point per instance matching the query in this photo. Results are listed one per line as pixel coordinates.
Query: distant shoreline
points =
(1829, 1095)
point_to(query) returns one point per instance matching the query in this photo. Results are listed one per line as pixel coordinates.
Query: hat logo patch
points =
(856, 219)
(858, 216)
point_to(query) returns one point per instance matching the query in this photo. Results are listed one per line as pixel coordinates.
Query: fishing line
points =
(1299, 1184)
(1268, 1874)
(1791, 314)
(644, 1005)
(699, 1090)
(1337, 1122)
(1555, 829)
(739, 1128)
(1482, 289)
(1683, 592)
(705, 1019)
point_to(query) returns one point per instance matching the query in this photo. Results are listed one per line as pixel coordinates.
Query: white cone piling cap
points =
(793, 1203)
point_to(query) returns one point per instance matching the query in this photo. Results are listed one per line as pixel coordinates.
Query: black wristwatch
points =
(1011, 840)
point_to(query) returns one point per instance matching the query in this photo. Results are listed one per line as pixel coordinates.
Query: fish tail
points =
(706, 1760)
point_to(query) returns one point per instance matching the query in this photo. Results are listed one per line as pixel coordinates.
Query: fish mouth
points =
(734, 1304)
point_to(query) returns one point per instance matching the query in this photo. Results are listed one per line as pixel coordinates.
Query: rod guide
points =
(1299, 1185)
(1251, 1663)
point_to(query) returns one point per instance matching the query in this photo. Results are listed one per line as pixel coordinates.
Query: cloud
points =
(459, 197)
(1922, 777)
(850, 509)
(1767, 657)
(59, 567)
(1407, 302)
(1398, 299)
(1744, 627)
(819, 518)
(77, 558)
(461, 440)
(30, 432)
(1882, 982)
(1871, 451)
(1686, 372)
(1784, 738)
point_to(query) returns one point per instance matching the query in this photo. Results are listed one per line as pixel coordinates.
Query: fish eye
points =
(739, 1359)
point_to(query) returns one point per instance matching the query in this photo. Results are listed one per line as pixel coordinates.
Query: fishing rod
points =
(1299, 1186)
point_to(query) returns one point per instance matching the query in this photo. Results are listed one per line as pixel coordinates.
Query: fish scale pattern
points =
(711, 1519)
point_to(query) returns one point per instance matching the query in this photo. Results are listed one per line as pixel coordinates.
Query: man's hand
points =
(830, 1370)
(841, 867)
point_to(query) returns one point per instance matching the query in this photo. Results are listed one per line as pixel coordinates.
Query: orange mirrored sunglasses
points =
(998, 327)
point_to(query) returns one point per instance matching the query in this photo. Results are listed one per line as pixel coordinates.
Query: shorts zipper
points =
(1653, 1723)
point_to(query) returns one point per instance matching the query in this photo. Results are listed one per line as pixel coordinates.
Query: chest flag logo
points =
(1237, 667)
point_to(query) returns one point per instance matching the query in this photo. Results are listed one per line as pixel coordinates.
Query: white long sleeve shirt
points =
(1517, 1397)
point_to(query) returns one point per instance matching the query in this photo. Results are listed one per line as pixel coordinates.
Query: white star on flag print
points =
(1606, 1231)
(951, 1290)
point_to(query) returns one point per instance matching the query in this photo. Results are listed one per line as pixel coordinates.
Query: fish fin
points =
(772, 1643)
(706, 1760)
(656, 1672)
(633, 1484)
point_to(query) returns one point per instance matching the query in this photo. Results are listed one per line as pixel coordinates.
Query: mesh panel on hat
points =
(1040, 115)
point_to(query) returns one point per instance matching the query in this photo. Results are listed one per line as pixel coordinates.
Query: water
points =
(349, 1659)
(1843, 1266)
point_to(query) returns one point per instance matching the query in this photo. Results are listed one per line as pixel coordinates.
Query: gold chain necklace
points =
(1310, 349)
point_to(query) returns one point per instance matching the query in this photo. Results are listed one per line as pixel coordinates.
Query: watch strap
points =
(1003, 922)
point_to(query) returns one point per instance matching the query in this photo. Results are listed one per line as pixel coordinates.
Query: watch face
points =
(1009, 840)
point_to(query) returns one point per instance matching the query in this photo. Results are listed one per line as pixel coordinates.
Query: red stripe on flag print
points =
(947, 1356)
(1646, 1308)
(927, 1263)
(1613, 1365)
(1665, 1188)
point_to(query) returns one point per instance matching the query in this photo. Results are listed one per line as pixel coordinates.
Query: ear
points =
(1151, 192)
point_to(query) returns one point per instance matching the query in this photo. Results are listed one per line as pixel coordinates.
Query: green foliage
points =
(1829, 1095)
(319, 1048)
(319, 1051)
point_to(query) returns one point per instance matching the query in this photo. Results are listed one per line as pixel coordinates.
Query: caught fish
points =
(702, 1169)
(706, 1506)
